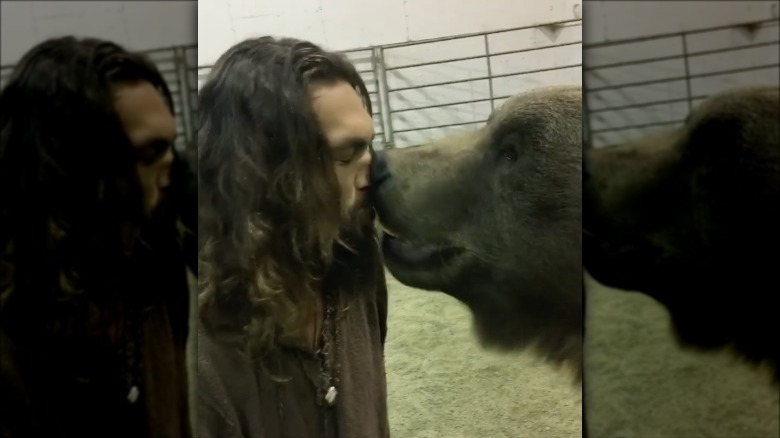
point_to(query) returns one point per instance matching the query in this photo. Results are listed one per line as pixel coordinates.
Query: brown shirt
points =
(238, 399)
(73, 388)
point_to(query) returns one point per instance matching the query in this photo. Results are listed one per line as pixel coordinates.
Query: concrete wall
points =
(726, 58)
(465, 101)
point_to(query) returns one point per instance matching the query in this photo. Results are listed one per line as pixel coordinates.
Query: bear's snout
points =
(379, 169)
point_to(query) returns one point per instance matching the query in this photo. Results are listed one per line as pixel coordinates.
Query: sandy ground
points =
(441, 384)
(640, 384)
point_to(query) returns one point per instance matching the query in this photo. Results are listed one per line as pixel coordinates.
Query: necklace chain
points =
(130, 355)
(328, 353)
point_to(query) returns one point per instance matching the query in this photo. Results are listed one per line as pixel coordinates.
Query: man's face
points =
(349, 129)
(149, 124)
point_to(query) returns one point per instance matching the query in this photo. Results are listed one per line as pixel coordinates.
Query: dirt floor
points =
(641, 384)
(441, 384)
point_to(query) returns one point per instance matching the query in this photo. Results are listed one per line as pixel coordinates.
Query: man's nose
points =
(379, 170)
(165, 165)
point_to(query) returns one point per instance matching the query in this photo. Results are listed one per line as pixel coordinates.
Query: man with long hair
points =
(94, 213)
(293, 301)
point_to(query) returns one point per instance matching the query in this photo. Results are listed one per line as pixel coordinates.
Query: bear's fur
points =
(492, 217)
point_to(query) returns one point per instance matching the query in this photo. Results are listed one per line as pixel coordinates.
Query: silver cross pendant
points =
(330, 396)
(132, 396)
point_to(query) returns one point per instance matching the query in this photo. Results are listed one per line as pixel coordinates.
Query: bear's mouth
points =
(620, 266)
(415, 254)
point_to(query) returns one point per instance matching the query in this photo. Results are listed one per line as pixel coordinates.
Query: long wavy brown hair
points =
(269, 204)
(71, 205)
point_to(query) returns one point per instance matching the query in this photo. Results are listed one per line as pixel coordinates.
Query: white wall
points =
(138, 25)
(665, 100)
(352, 24)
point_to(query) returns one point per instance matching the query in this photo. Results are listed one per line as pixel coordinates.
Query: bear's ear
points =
(715, 134)
(688, 118)
(491, 117)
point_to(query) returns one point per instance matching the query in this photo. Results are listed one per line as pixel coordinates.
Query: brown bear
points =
(492, 217)
(691, 217)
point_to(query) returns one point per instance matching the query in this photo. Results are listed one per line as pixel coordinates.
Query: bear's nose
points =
(379, 169)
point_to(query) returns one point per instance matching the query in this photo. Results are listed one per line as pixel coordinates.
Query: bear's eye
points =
(508, 148)
(509, 154)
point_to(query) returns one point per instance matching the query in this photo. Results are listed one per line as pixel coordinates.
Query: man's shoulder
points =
(217, 351)
(215, 406)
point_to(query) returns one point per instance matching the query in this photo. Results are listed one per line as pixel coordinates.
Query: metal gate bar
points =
(377, 70)
(175, 64)
(600, 129)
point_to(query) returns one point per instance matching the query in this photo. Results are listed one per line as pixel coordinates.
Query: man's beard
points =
(359, 220)
(163, 217)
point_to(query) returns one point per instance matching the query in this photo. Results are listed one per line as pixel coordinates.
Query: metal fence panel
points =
(639, 86)
(178, 66)
(447, 85)
(426, 89)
